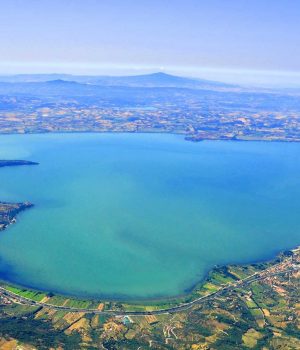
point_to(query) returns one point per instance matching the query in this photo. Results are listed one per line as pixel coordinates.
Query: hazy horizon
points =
(236, 41)
(246, 78)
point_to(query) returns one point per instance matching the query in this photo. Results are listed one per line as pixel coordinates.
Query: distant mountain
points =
(62, 82)
(57, 87)
(33, 78)
(147, 80)
(160, 80)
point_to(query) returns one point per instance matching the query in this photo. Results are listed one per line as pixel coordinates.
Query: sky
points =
(230, 40)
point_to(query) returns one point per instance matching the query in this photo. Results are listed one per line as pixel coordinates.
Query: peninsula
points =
(9, 211)
(4, 163)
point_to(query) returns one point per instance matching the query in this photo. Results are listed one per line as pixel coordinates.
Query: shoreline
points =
(7, 163)
(155, 305)
(187, 295)
(9, 212)
(186, 137)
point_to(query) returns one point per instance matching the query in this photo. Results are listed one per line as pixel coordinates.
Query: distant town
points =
(158, 103)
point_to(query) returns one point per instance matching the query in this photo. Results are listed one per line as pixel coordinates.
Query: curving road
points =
(181, 307)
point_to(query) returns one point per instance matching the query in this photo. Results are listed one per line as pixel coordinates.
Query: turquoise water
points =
(143, 215)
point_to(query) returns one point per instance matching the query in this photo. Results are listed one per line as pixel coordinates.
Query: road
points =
(181, 307)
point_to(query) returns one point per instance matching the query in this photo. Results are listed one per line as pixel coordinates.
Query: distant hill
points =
(57, 87)
(147, 80)
(159, 80)
(33, 78)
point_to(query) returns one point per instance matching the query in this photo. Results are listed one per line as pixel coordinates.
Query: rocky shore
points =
(9, 211)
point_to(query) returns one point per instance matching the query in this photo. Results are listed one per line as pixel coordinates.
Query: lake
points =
(143, 215)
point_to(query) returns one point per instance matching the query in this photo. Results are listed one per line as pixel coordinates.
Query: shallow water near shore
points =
(143, 215)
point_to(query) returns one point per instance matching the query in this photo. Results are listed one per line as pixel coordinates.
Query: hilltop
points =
(158, 79)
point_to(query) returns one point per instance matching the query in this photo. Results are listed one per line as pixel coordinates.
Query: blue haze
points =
(129, 36)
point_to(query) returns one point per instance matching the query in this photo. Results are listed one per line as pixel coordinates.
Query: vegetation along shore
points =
(253, 306)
